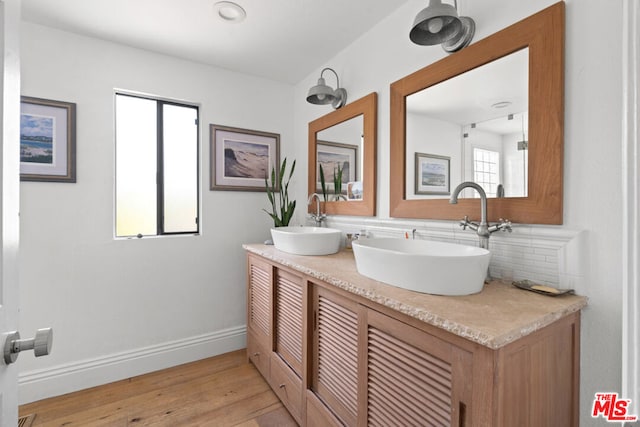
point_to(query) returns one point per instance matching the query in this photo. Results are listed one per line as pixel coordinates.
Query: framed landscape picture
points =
(47, 140)
(242, 158)
(432, 174)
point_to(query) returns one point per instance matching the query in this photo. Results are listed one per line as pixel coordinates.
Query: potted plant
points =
(281, 207)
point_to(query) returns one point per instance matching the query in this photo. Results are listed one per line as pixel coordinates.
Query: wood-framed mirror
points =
(541, 38)
(347, 138)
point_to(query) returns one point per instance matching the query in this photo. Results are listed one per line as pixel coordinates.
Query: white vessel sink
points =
(423, 266)
(306, 240)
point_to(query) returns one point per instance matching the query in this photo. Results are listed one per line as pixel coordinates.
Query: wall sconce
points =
(440, 24)
(322, 94)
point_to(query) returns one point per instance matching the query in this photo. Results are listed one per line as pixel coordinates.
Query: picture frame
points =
(47, 140)
(432, 174)
(241, 159)
(329, 155)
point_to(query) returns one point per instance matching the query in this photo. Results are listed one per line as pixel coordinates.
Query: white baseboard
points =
(41, 384)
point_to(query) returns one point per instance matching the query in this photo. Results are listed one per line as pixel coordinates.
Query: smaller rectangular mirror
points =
(343, 142)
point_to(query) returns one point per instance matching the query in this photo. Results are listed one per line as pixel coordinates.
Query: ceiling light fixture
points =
(322, 94)
(501, 104)
(440, 24)
(229, 11)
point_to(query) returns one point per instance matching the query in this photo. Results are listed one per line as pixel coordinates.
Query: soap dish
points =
(541, 289)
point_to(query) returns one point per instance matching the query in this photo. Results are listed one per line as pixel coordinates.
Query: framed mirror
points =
(492, 113)
(343, 144)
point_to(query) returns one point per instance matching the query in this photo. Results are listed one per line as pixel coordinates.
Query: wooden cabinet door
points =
(334, 374)
(259, 342)
(286, 360)
(414, 378)
(288, 314)
(260, 276)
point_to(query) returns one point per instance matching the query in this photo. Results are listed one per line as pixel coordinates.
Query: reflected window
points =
(156, 167)
(486, 170)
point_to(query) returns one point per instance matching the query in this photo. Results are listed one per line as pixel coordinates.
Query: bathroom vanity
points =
(341, 349)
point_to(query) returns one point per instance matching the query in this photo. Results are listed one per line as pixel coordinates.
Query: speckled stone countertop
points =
(498, 315)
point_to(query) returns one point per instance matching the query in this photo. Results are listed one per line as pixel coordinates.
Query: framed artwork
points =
(432, 174)
(47, 140)
(242, 158)
(330, 155)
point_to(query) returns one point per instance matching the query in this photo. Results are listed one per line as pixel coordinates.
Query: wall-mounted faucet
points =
(483, 229)
(318, 217)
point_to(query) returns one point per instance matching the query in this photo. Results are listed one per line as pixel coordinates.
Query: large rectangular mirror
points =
(492, 113)
(344, 142)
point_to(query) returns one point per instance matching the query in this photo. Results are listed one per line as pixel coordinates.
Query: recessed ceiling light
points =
(501, 104)
(230, 11)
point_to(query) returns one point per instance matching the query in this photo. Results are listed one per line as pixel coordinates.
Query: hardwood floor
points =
(221, 391)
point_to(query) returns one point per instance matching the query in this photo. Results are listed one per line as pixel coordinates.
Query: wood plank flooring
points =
(221, 391)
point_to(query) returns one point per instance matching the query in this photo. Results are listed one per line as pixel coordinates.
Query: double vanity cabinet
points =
(341, 349)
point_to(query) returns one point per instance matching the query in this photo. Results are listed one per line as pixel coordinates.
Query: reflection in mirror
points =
(339, 154)
(467, 128)
(345, 140)
(496, 156)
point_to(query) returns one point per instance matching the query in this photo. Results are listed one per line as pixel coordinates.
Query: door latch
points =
(40, 344)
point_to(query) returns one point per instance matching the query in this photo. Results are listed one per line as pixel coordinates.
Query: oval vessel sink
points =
(306, 240)
(423, 266)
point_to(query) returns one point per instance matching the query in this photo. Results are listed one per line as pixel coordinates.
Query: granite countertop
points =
(498, 315)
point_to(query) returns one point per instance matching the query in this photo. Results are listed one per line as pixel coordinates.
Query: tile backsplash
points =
(549, 255)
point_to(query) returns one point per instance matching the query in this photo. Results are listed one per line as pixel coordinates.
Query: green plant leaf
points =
(337, 180)
(293, 168)
(281, 208)
(282, 172)
(323, 185)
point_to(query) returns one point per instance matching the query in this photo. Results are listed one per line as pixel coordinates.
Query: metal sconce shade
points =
(340, 98)
(440, 24)
(436, 24)
(464, 36)
(322, 94)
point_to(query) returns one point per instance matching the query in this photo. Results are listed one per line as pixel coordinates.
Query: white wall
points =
(592, 200)
(122, 307)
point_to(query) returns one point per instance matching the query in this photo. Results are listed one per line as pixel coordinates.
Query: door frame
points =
(10, 194)
(631, 204)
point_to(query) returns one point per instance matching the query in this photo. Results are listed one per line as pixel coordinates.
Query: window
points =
(156, 167)
(486, 170)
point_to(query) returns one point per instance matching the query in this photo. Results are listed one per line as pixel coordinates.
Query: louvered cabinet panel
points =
(335, 373)
(411, 376)
(288, 319)
(259, 299)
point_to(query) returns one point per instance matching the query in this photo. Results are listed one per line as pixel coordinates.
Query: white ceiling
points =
(282, 40)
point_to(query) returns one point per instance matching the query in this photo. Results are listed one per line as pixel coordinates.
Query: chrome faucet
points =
(318, 217)
(482, 229)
